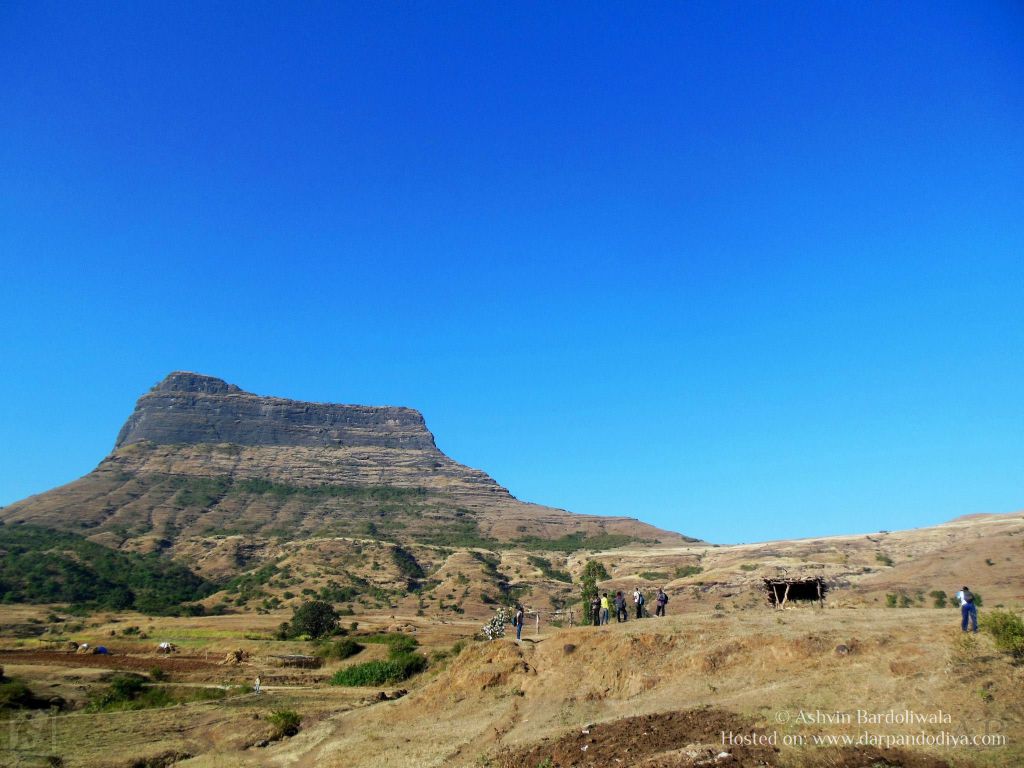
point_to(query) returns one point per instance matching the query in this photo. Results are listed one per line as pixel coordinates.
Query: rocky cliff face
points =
(187, 408)
(200, 457)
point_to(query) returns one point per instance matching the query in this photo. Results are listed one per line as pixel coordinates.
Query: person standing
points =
(968, 610)
(518, 620)
(661, 600)
(638, 600)
(595, 610)
(256, 687)
(605, 607)
(620, 606)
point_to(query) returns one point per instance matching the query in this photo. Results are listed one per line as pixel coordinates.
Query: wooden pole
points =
(785, 596)
(775, 592)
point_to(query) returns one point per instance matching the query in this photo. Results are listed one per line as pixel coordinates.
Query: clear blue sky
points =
(742, 270)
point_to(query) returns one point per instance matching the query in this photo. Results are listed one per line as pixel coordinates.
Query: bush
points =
(688, 570)
(1007, 629)
(14, 694)
(395, 669)
(339, 649)
(545, 567)
(883, 559)
(397, 642)
(495, 627)
(285, 721)
(654, 576)
(939, 597)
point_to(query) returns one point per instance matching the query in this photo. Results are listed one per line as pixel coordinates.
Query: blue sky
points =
(742, 270)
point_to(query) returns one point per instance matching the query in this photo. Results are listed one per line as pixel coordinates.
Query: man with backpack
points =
(595, 610)
(661, 600)
(968, 610)
(638, 599)
(518, 620)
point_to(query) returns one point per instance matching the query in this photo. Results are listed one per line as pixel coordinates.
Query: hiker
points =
(661, 600)
(968, 610)
(256, 687)
(595, 611)
(620, 607)
(605, 606)
(638, 599)
(518, 620)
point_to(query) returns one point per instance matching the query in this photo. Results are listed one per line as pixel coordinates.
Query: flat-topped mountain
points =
(189, 408)
(200, 457)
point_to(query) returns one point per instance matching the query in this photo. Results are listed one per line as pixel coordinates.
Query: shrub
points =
(688, 570)
(891, 600)
(395, 669)
(748, 567)
(939, 597)
(397, 642)
(495, 628)
(545, 567)
(157, 675)
(1007, 629)
(339, 649)
(14, 694)
(285, 721)
(654, 576)
(883, 559)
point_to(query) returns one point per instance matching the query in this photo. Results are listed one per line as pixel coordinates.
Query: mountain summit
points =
(201, 458)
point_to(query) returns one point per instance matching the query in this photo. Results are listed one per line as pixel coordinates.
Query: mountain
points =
(200, 459)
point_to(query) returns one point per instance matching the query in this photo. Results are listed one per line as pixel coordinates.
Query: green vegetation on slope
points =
(549, 571)
(40, 565)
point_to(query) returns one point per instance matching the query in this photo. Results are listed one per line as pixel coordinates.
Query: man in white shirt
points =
(968, 610)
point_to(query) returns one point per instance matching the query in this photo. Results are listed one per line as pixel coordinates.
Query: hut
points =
(778, 592)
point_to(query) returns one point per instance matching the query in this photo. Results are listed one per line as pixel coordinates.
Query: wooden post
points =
(775, 592)
(785, 596)
(821, 603)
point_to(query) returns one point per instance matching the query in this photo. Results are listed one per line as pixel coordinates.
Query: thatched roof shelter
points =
(778, 592)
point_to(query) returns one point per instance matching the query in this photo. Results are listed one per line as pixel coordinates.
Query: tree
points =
(314, 618)
(592, 572)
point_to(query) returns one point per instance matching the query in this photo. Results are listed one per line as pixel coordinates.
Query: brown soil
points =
(689, 738)
(693, 736)
(179, 664)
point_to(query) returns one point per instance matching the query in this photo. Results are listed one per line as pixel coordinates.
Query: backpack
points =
(640, 600)
(968, 596)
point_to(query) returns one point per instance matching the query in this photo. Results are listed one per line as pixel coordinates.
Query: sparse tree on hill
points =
(593, 571)
(314, 618)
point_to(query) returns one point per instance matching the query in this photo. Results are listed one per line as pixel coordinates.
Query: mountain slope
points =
(200, 457)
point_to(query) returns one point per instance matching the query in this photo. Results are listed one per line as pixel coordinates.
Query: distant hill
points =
(200, 458)
(38, 565)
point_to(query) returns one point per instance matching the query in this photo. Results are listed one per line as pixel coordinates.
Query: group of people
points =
(601, 606)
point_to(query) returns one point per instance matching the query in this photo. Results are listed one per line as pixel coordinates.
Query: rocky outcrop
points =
(188, 408)
(200, 457)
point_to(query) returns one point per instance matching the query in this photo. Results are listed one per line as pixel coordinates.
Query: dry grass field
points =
(722, 680)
